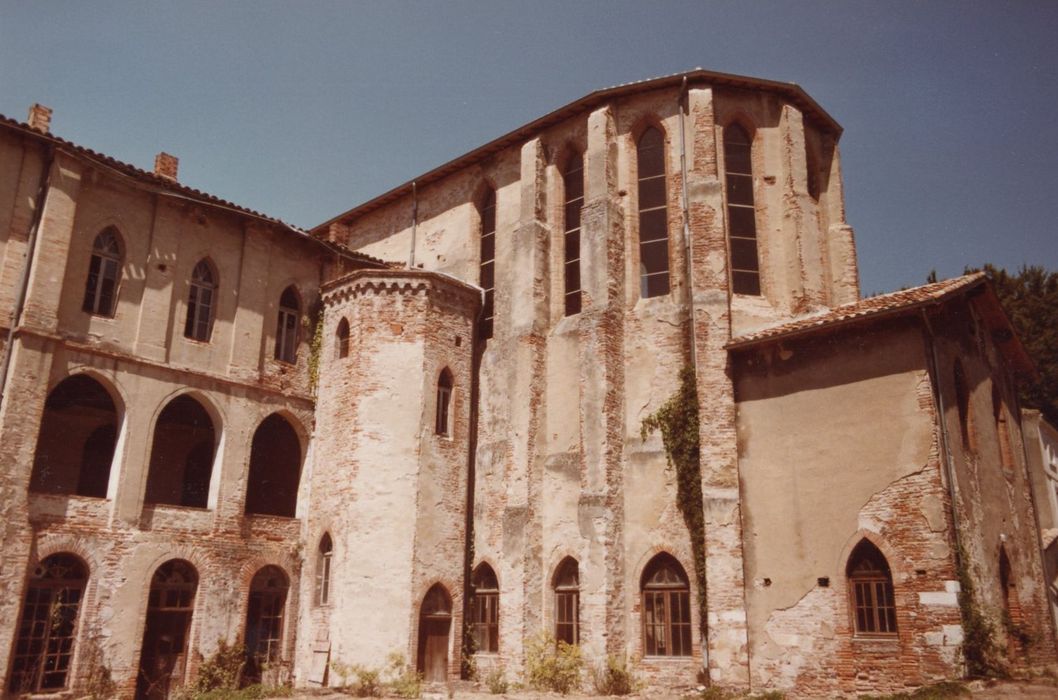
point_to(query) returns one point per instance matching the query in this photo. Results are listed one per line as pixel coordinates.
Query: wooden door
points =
(433, 645)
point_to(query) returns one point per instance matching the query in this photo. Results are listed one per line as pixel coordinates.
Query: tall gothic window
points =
(741, 213)
(442, 425)
(666, 608)
(485, 610)
(573, 185)
(567, 602)
(104, 274)
(871, 592)
(323, 570)
(488, 261)
(342, 339)
(287, 326)
(653, 215)
(201, 302)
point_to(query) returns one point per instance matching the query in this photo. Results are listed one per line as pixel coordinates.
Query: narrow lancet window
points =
(104, 274)
(485, 615)
(442, 424)
(653, 215)
(871, 592)
(200, 302)
(488, 262)
(287, 326)
(342, 340)
(741, 213)
(573, 184)
(567, 602)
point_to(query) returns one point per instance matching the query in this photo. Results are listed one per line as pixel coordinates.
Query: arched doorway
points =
(163, 656)
(435, 623)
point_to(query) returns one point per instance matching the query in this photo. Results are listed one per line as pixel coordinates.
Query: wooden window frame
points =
(567, 602)
(572, 182)
(745, 279)
(445, 391)
(485, 610)
(287, 331)
(643, 179)
(324, 561)
(104, 274)
(872, 601)
(665, 634)
(201, 302)
(270, 603)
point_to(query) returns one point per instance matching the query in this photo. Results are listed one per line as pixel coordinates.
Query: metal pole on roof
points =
(414, 223)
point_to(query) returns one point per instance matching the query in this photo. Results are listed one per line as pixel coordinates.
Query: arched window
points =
(741, 213)
(287, 326)
(275, 469)
(653, 215)
(965, 409)
(1006, 451)
(870, 592)
(435, 623)
(264, 620)
(341, 340)
(47, 630)
(485, 609)
(182, 455)
(323, 570)
(200, 302)
(442, 424)
(666, 608)
(487, 280)
(567, 601)
(75, 445)
(170, 606)
(104, 274)
(573, 185)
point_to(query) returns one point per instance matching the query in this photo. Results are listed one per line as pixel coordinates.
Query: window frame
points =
(485, 610)
(572, 296)
(104, 264)
(271, 618)
(288, 324)
(566, 592)
(342, 337)
(865, 587)
(443, 409)
(643, 214)
(324, 568)
(198, 325)
(487, 222)
(742, 239)
(671, 595)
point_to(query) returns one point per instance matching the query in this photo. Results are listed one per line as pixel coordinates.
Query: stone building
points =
(416, 428)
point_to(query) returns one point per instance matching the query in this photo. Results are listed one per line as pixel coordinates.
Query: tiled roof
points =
(169, 186)
(882, 304)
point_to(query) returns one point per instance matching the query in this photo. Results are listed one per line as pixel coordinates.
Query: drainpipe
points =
(414, 223)
(23, 281)
(684, 103)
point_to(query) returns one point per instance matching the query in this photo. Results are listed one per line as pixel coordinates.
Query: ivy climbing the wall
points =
(677, 420)
(315, 318)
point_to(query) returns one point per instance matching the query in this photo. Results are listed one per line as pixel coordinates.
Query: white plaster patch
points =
(945, 598)
(952, 586)
(953, 634)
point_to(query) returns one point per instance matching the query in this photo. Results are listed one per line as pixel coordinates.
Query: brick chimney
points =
(39, 118)
(166, 165)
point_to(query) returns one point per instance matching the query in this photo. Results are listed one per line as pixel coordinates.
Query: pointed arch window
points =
(323, 570)
(264, 620)
(47, 630)
(485, 610)
(342, 340)
(653, 215)
(104, 274)
(287, 326)
(741, 212)
(573, 190)
(871, 592)
(567, 601)
(442, 424)
(666, 608)
(487, 278)
(1006, 450)
(201, 302)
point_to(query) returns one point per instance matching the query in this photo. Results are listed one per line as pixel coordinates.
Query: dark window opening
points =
(324, 556)
(666, 608)
(275, 469)
(567, 602)
(488, 261)
(47, 628)
(741, 212)
(871, 592)
(182, 455)
(104, 274)
(200, 302)
(264, 621)
(484, 610)
(573, 184)
(653, 215)
(442, 424)
(75, 445)
(287, 326)
(342, 339)
(170, 606)
(962, 401)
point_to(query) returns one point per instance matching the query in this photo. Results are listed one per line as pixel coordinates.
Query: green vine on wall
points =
(677, 420)
(979, 645)
(315, 347)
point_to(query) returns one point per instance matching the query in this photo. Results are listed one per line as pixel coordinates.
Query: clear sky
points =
(304, 109)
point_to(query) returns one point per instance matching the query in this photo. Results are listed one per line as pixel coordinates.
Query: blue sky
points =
(305, 109)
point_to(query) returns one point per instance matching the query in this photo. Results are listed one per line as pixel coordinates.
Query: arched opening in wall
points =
(487, 275)
(485, 610)
(653, 214)
(962, 402)
(201, 301)
(275, 469)
(573, 202)
(435, 623)
(104, 274)
(163, 654)
(47, 630)
(442, 422)
(264, 621)
(666, 608)
(182, 455)
(870, 586)
(75, 445)
(286, 349)
(324, 554)
(741, 211)
(566, 585)
(1012, 617)
(999, 414)
(341, 340)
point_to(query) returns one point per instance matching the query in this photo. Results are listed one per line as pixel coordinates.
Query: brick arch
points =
(211, 405)
(566, 150)
(898, 568)
(740, 118)
(111, 384)
(639, 127)
(682, 555)
(491, 563)
(46, 545)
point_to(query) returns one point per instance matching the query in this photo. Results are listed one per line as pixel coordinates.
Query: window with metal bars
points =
(741, 212)
(323, 570)
(46, 633)
(653, 215)
(871, 592)
(485, 610)
(200, 302)
(666, 608)
(487, 279)
(573, 194)
(264, 619)
(104, 274)
(287, 326)
(567, 601)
